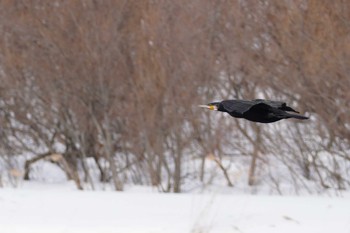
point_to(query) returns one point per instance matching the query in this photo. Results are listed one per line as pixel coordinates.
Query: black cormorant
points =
(264, 111)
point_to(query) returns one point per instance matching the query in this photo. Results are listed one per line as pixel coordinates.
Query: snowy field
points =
(61, 209)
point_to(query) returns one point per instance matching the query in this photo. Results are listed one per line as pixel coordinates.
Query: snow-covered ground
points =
(62, 209)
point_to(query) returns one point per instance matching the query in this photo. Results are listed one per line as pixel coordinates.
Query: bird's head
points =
(211, 106)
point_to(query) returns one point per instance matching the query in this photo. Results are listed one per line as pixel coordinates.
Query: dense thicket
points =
(119, 81)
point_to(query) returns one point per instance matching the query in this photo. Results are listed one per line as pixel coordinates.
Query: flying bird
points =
(258, 110)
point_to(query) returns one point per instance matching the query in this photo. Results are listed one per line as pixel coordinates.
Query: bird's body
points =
(263, 111)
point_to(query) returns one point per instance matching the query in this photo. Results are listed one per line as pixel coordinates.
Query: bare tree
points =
(117, 82)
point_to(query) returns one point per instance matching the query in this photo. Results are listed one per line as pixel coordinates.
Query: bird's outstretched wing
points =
(276, 104)
(263, 109)
(237, 107)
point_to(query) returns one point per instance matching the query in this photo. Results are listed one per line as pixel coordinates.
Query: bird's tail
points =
(296, 116)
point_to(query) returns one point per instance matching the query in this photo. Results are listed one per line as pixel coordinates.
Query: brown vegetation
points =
(119, 81)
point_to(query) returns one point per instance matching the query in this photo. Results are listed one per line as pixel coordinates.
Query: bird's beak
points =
(210, 107)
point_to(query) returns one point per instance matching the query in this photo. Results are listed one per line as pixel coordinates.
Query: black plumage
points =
(263, 111)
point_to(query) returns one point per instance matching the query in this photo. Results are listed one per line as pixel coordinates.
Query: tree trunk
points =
(31, 161)
(224, 170)
(178, 160)
(252, 169)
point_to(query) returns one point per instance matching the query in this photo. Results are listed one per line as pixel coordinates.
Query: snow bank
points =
(63, 210)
